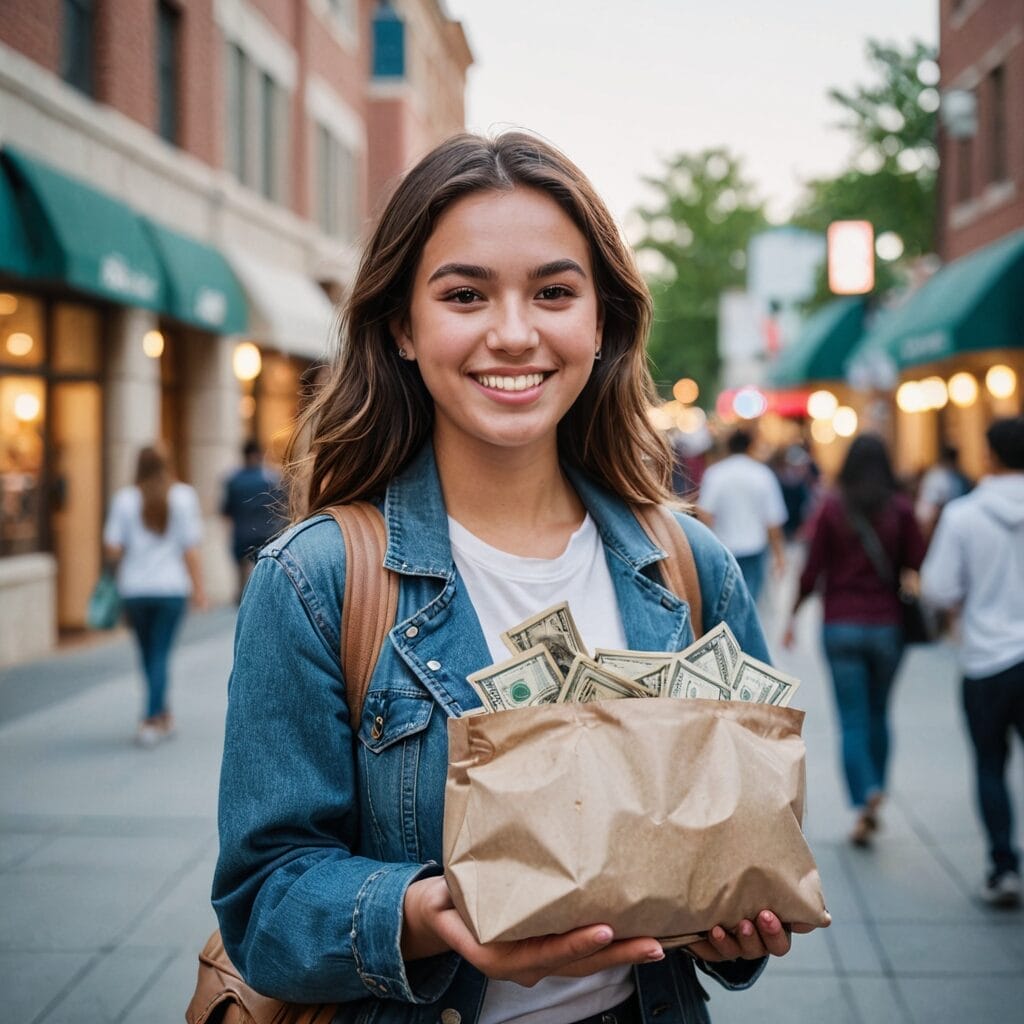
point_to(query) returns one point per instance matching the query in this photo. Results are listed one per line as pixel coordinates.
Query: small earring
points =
(597, 356)
(402, 354)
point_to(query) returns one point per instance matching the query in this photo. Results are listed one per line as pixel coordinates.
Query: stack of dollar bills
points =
(551, 665)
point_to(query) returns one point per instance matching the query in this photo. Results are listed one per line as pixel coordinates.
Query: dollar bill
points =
(554, 629)
(587, 681)
(716, 653)
(687, 680)
(650, 669)
(756, 681)
(526, 680)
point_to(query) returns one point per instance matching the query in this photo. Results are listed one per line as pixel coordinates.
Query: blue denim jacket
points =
(325, 823)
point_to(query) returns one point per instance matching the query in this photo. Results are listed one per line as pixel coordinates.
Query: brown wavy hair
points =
(373, 412)
(153, 478)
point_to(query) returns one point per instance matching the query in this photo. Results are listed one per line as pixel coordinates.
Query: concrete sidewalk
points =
(106, 853)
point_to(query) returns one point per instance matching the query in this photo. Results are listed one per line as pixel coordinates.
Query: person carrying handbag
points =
(489, 396)
(864, 523)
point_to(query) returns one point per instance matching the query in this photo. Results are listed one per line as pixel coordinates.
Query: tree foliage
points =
(693, 247)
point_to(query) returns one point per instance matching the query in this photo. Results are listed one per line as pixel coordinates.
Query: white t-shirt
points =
(745, 499)
(153, 564)
(505, 589)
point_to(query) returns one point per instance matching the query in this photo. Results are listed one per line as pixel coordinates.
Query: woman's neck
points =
(518, 501)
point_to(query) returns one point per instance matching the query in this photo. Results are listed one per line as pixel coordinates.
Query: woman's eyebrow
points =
(557, 267)
(461, 270)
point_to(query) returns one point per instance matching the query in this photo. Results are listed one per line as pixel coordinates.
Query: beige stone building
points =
(183, 189)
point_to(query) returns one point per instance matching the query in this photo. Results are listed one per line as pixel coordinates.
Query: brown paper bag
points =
(658, 817)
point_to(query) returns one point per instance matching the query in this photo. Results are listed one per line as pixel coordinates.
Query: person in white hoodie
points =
(976, 563)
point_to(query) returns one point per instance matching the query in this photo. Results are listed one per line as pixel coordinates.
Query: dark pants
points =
(155, 621)
(995, 706)
(863, 660)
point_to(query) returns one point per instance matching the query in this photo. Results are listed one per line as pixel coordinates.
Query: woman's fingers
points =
(625, 951)
(774, 936)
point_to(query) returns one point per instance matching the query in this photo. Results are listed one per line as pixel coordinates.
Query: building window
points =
(336, 187)
(237, 112)
(997, 137)
(270, 140)
(77, 45)
(964, 156)
(388, 42)
(168, 19)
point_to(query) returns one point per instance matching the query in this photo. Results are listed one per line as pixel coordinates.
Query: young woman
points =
(152, 535)
(861, 538)
(490, 395)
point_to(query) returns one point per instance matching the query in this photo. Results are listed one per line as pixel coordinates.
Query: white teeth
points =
(503, 383)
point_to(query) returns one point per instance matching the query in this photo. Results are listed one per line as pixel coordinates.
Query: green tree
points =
(892, 179)
(693, 247)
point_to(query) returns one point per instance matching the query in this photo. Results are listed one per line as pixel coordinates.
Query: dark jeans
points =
(863, 660)
(154, 621)
(753, 569)
(995, 706)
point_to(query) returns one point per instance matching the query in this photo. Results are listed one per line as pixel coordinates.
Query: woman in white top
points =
(152, 535)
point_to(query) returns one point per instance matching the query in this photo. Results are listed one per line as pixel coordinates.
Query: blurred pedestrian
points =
(940, 485)
(254, 502)
(862, 537)
(976, 563)
(744, 505)
(152, 536)
(792, 468)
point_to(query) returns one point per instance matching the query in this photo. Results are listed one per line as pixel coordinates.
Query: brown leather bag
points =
(371, 601)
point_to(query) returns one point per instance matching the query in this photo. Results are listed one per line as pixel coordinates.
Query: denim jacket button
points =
(411, 632)
(433, 665)
(451, 1016)
(377, 730)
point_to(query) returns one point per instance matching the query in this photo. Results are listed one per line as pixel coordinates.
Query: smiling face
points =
(504, 321)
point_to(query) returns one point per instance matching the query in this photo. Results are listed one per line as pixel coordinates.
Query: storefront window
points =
(277, 402)
(21, 331)
(22, 416)
(76, 340)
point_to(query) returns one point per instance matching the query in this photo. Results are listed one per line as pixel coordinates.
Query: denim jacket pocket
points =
(391, 734)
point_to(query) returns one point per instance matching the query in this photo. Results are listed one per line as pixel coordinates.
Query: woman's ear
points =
(403, 338)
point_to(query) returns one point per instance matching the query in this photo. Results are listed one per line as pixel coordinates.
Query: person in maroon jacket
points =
(862, 537)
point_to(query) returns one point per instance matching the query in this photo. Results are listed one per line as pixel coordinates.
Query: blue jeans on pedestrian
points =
(155, 621)
(994, 706)
(863, 660)
(753, 569)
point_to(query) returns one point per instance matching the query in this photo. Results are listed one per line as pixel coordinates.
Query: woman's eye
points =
(554, 291)
(462, 296)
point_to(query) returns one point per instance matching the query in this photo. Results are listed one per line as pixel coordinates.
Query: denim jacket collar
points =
(418, 542)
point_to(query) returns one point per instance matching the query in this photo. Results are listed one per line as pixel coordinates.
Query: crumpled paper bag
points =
(657, 816)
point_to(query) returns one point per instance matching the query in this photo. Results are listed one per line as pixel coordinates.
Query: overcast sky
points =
(619, 84)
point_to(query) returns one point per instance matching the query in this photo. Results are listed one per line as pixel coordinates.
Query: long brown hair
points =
(374, 412)
(153, 478)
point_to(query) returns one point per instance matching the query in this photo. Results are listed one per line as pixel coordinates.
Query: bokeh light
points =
(844, 422)
(749, 403)
(246, 361)
(153, 344)
(685, 391)
(963, 389)
(821, 405)
(1000, 381)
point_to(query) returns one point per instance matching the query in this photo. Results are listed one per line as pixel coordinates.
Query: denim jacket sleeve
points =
(303, 916)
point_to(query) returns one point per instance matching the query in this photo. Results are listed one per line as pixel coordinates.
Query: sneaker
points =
(165, 725)
(148, 735)
(1002, 889)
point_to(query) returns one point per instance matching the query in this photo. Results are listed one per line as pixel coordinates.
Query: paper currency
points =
(755, 681)
(651, 669)
(716, 653)
(528, 679)
(687, 680)
(587, 681)
(554, 629)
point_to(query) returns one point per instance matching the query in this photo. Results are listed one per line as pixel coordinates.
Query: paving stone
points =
(30, 981)
(959, 1000)
(784, 999)
(966, 949)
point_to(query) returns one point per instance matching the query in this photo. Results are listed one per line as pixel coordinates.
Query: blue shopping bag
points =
(104, 603)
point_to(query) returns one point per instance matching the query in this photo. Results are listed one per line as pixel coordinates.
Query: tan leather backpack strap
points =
(678, 570)
(371, 598)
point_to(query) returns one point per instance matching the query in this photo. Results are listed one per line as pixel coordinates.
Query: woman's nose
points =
(512, 331)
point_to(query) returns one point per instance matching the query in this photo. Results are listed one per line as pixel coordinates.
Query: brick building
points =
(183, 188)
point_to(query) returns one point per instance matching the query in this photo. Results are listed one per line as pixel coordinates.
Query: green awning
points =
(972, 304)
(200, 287)
(821, 348)
(14, 251)
(81, 236)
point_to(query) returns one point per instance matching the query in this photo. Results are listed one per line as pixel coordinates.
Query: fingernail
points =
(768, 919)
(603, 935)
(656, 954)
(717, 933)
(746, 929)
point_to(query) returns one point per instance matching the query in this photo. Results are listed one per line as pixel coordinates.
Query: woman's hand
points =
(432, 925)
(749, 940)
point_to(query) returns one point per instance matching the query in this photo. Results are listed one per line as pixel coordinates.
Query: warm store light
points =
(1001, 381)
(844, 423)
(934, 392)
(910, 397)
(659, 418)
(822, 405)
(26, 407)
(8, 303)
(822, 432)
(963, 389)
(246, 361)
(691, 419)
(685, 391)
(19, 343)
(153, 344)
